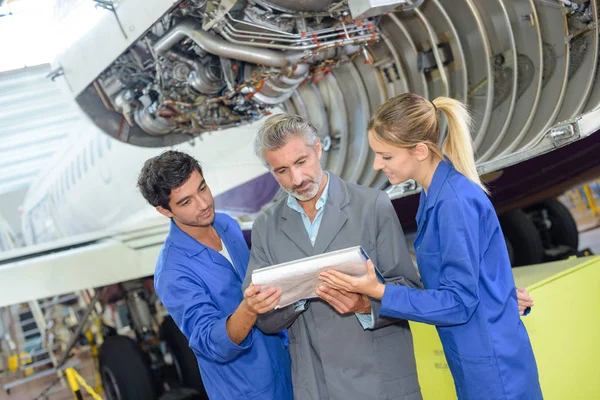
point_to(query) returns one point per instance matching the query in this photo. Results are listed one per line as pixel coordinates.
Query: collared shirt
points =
(201, 289)
(312, 229)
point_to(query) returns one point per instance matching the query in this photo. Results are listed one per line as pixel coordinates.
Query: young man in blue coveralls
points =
(199, 276)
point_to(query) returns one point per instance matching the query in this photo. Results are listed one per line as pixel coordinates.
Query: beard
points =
(199, 221)
(310, 192)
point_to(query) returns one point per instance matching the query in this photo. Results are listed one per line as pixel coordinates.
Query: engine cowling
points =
(201, 66)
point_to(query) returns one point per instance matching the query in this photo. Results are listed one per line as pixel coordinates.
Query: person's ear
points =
(319, 148)
(421, 151)
(164, 211)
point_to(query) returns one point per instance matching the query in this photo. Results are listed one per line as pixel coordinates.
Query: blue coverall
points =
(200, 288)
(469, 294)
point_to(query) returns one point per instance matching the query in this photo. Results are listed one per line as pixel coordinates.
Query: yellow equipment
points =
(564, 328)
(13, 363)
(76, 382)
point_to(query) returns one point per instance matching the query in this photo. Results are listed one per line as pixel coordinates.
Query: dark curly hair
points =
(163, 173)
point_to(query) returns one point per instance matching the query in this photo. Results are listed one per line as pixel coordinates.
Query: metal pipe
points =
(340, 42)
(317, 32)
(215, 45)
(299, 39)
(254, 25)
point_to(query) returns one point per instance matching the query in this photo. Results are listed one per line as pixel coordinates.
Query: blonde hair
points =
(409, 119)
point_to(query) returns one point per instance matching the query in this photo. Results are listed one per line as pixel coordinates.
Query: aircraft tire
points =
(124, 371)
(564, 228)
(522, 237)
(179, 348)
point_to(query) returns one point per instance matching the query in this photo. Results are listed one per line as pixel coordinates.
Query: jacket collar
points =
(333, 219)
(429, 200)
(437, 181)
(191, 246)
(292, 202)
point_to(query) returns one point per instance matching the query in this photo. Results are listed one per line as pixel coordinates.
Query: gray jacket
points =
(333, 357)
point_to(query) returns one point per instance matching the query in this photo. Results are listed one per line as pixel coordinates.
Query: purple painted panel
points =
(249, 197)
(551, 169)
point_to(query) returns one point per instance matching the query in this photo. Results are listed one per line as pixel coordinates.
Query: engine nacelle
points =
(200, 66)
(158, 73)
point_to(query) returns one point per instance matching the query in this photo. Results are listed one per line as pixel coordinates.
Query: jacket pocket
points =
(389, 343)
(475, 378)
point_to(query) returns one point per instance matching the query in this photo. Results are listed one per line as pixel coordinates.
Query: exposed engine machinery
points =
(158, 73)
(209, 65)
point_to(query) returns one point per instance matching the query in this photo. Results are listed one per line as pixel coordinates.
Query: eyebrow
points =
(182, 200)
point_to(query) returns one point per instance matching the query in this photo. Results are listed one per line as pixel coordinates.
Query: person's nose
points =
(296, 176)
(377, 164)
(202, 203)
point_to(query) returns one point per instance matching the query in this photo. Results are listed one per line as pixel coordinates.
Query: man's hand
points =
(259, 303)
(240, 323)
(524, 299)
(344, 302)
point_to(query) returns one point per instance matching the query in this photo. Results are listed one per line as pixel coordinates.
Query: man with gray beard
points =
(341, 348)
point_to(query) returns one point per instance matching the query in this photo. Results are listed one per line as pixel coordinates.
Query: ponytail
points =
(409, 119)
(458, 146)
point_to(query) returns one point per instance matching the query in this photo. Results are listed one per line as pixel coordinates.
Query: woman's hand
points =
(367, 284)
(524, 299)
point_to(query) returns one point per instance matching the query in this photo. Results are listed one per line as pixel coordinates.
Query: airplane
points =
(8, 240)
(152, 75)
(181, 69)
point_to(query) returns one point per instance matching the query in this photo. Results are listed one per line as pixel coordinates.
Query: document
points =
(299, 279)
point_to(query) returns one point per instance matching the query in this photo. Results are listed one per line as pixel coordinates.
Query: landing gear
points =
(555, 223)
(124, 370)
(157, 365)
(543, 232)
(522, 239)
(183, 359)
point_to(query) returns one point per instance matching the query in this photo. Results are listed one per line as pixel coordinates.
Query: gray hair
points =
(277, 131)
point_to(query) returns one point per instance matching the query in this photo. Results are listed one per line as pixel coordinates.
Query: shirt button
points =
(312, 239)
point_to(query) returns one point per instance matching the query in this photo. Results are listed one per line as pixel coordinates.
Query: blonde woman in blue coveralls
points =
(469, 287)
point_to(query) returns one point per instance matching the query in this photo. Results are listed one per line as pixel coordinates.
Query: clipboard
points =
(299, 279)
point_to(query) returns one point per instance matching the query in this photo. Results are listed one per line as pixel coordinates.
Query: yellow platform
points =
(564, 328)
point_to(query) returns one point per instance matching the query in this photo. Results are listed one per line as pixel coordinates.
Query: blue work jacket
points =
(469, 294)
(200, 288)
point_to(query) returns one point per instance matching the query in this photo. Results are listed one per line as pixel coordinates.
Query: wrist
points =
(366, 308)
(378, 291)
(247, 310)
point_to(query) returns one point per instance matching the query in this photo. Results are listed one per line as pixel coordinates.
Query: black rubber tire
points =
(179, 347)
(564, 228)
(522, 235)
(124, 360)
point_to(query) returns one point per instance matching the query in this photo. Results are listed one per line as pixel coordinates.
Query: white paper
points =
(300, 278)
